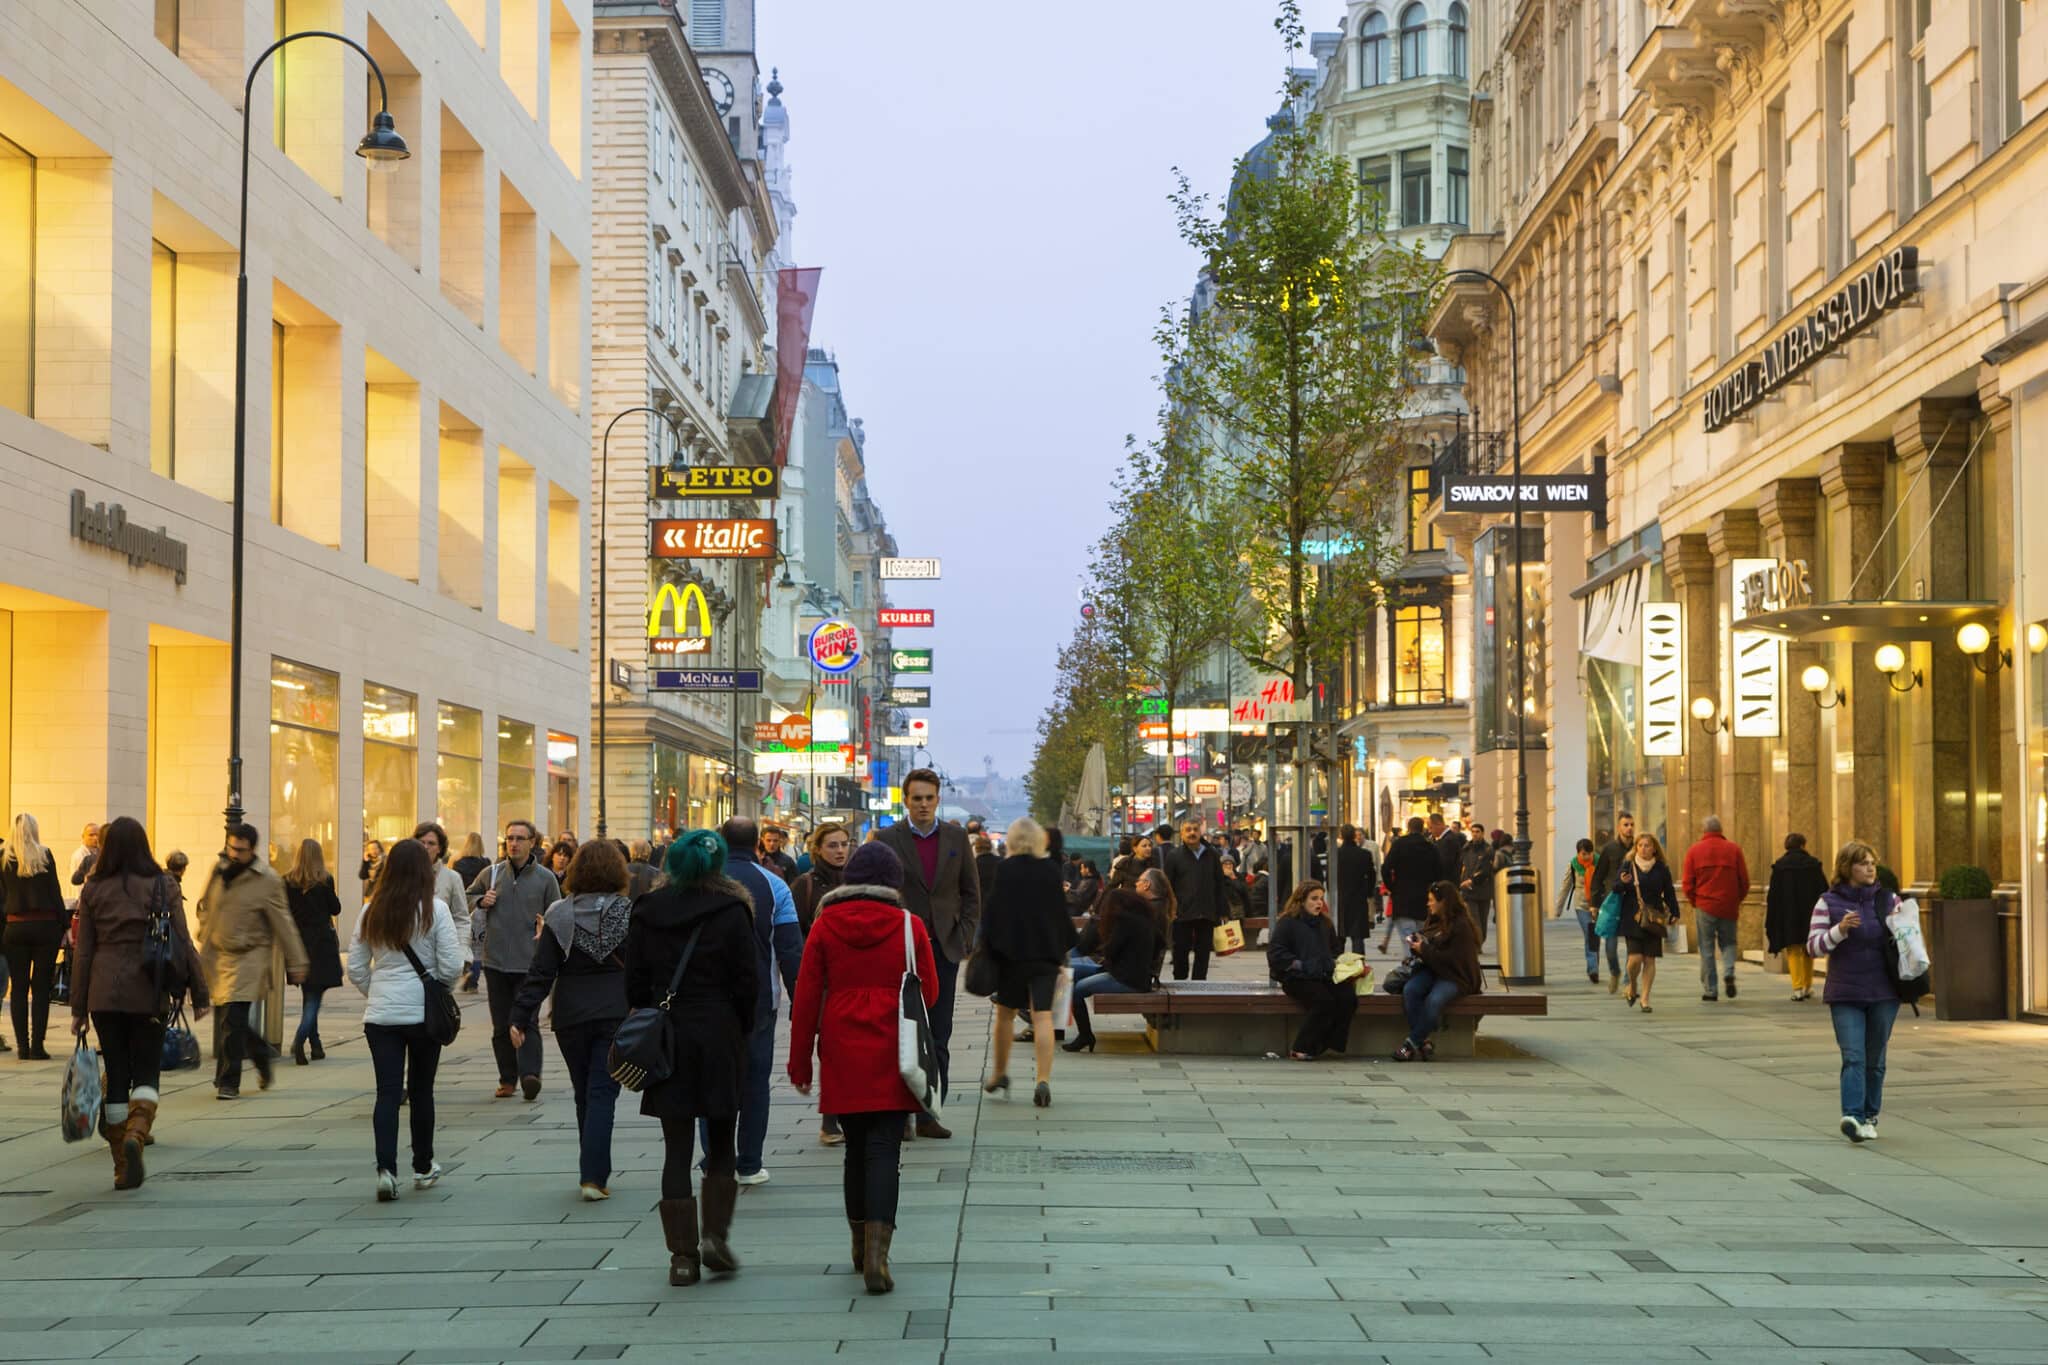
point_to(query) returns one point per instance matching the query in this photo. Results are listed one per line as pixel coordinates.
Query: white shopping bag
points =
(1904, 924)
(1063, 1000)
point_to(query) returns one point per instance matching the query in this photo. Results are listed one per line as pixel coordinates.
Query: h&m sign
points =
(1663, 679)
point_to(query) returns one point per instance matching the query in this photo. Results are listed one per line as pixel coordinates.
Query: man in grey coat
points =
(511, 897)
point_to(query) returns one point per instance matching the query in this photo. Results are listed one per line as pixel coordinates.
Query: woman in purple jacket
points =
(1848, 929)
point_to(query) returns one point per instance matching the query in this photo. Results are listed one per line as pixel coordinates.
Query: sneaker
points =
(1868, 1128)
(531, 1086)
(387, 1186)
(592, 1193)
(427, 1179)
(224, 1093)
(1852, 1128)
(759, 1177)
(1728, 985)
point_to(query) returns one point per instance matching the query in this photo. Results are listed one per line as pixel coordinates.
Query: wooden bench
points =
(1250, 1019)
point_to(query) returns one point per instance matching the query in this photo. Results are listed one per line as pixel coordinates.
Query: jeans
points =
(237, 1040)
(523, 1060)
(1715, 930)
(132, 1045)
(1423, 1001)
(473, 974)
(874, 1165)
(1097, 982)
(586, 1051)
(405, 1060)
(1400, 927)
(942, 1015)
(1330, 1007)
(1862, 1032)
(1195, 935)
(753, 1133)
(31, 947)
(1586, 918)
(309, 1014)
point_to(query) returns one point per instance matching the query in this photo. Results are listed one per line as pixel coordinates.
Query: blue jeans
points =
(1715, 930)
(1098, 982)
(586, 1051)
(404, 1060)
(1585, 918)
(1423, 1001)
(309, 1014)
(1862, 1032)
(754, 1102)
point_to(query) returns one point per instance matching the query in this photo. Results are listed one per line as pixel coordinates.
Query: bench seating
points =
(1250, 1019)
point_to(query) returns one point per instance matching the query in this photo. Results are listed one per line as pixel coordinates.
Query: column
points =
(1788, 515)
(1689, 781)
(2000, 840)
(1735, 534)
(1852, 479)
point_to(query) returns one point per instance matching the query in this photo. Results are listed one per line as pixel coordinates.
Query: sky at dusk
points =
(985, 188)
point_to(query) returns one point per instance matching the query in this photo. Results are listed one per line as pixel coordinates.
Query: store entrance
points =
(188, 751)
(53, 715)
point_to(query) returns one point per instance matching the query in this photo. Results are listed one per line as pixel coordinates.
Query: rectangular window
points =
(1642, 348)
(391, 762)
(1375, 181)
(1419, 656)
(1910, 33)
(1415, 177)
(458, 769)
(515, 771)
(563, 752)
(1725, 212)
(163, 360)
(1838, 94)
(18, 279)
(305, 759)
(657, 144)
(2009, 68)
(1681, 315)
(1422, 533)
(1777, 209)
(1457, 161)
(675, 173)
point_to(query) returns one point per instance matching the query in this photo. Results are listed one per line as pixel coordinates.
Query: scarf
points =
(1642, 866)
(594, 923)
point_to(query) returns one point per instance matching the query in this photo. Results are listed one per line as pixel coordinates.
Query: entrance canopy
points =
(1873, 622)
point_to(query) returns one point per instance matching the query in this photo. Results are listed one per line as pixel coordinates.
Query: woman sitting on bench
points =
(1125, 938)
(1301, 956)
(1448, 945)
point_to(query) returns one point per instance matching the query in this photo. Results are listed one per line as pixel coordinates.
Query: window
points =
(18, 280)
(163, 360)
(1422, 534)
(1375, 179)
(459, 769)
(675, 158)
(1415, 187)
(305, 758)
(1372, 47)
(656, 145)
(1412, 31)
(1725, 213)
(1681, 318)
(1458, 45)
(515, 771)
(167, 23)
(1418, 656)
(391, 762)
(1457, 164)
(563, 752)
(1915, 99)
(1838, 95)
(2009, 68)
(1642, 346)
(1777, 209)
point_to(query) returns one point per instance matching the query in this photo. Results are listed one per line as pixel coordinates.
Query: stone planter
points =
(1967, 946)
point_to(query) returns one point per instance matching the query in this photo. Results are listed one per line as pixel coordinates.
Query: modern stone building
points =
(417, 467)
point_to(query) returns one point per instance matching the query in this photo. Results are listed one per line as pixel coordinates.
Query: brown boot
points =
(860, 1239)
(116, 1135)
(134, 1137)
(679, 1230)
(719, 1194)
(875, 1267)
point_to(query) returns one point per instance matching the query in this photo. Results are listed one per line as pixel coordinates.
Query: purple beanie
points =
(874, 864)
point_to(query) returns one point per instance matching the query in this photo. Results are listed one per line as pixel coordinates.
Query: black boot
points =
(319, 1052)
(1084, 1036)
(679, 1230)
(718, 1195)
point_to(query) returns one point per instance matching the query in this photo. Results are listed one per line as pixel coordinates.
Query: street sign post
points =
(908, 568)
(911, 660)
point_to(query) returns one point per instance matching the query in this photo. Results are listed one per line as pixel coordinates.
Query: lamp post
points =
(382, 147)
(1521, 845)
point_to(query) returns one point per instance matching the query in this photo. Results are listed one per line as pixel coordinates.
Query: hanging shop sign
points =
(900, 741)
(793, 732)
(920, 729)
(107, 525)
(911, 660)
(1758, 659)
(1539, 492)
(1271, 701)
(678, 599)
(705, 680)
(767, 732)
(910, 696)
(835, 645)
(1663, 679)
(1152, 729)
(816, 760)
(716, 481)
(678, 646)
(1208, 787)
(715, 538)
(908, 568)
(898, 617)
(1888, 283)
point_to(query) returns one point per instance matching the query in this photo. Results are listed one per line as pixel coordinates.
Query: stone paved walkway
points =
(1603, 1186)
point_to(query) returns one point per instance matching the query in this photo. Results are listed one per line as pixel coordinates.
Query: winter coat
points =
(1302, 948)
(985, 865)
(1085, 892)
(1716, 876)
(714, 1004)
(239, 920)
(813, 887)
(314, 911)
(849, 997)
(1798, 881)
(35, 896)
(1640, 888)
(1606, 869)
(1450, 852)
(588, 977)
(1197, 881)
(451, 888)
(1412, 866)
(524, 895)
(1025, 921)
(1451, 951)
(392, 990)
(107, 971)
(950, 905)
(1475, 873)
(1358, 875)
(1135, 940)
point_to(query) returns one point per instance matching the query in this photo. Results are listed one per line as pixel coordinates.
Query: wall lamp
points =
(1817, 683)
(1975, 641)
(1891, 661)
(1705, 710)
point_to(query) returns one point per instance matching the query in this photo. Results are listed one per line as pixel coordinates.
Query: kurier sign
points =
(715, 538)
(1540, 492)
(100, 524)
(1889, 282)
(716, 481)
(890, 617)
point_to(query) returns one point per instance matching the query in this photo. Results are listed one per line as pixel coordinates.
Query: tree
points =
(1083, 713)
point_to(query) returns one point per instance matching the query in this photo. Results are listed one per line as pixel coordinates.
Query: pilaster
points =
(1852, 480)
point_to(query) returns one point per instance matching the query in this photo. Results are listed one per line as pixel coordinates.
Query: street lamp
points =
(1818, 684)
(1891, 661)
(383, 148)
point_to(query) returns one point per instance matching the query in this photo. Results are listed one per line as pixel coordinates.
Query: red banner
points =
(905, 616)
(796, 297)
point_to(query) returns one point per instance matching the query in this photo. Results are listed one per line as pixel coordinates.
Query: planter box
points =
(1967, 945)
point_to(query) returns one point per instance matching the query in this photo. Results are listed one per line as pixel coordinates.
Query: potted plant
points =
(1968, 976)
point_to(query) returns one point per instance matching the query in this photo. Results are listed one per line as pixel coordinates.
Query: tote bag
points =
(917, 1056)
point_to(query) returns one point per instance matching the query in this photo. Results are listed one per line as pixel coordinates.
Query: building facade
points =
(417, 379)
(1775, 281)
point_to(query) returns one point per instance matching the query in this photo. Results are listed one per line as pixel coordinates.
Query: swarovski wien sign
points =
(1889, 282)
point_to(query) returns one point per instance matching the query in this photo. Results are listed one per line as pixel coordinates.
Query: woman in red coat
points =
(848, 1000)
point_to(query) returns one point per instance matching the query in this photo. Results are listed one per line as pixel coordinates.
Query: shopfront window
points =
(689, 790)
(1618, 777)
(391, 763)
(515, 772)
(459, 770)
(1419, 655)
(17, 278)
(305, 760)
(563, 752)
(1497, 645)
(1422, 532)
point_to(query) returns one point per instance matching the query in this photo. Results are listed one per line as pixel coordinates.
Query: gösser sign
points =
(909, 568)
(716, 481)
(715, 538)
(1878, 290)
(911, 660)
(1540, 492)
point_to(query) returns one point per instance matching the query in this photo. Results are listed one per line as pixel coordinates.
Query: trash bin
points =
(1968, 951)
(1518, 899)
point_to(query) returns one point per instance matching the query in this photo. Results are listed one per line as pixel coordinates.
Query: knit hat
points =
(874, 864)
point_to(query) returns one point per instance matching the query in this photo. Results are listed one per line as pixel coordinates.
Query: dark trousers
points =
(586, 1051)
(1330, 1006)
(874, 1165)
(405, 1060)
(1195, 935)
(753, 1128)
(1360, 910)
(678, 1140)
(31, 947)
(132, 1046)
(942, 1015)
(1482, 916)
(239, 1040)
(523, 1060)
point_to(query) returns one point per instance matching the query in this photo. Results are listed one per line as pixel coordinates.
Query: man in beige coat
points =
(242, 915)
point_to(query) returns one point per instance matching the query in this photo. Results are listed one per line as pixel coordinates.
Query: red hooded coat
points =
(849, 996)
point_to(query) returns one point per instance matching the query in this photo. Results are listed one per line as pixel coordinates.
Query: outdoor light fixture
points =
(2037, 638)
(1817, 683)
(382, 147)
(1704, 710)
(1891, 661)
(1974, 640)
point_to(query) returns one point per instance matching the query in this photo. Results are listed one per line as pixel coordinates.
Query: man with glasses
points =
(512, 896)
(242, 914)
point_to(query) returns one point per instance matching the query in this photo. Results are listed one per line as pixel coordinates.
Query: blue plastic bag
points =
(1608, 924)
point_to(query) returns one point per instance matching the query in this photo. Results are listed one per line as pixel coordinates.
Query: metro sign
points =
(905, 616)
(715, 538)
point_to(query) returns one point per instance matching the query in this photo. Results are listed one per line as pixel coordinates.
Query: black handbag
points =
(1397, 977)
(983, 975)
(181, 1048)
(160, 956)
(644, 1047)
(443, 1016)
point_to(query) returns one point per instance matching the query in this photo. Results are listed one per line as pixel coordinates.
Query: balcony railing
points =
(1468, 452)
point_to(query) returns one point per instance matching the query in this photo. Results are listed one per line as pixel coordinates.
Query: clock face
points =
(720, 86)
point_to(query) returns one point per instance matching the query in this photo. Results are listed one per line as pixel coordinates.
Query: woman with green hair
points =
(697, 931)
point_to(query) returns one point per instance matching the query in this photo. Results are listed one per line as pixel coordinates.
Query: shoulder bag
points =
(160, 955)
(644, 1047)
(443, 1016)
(180, 1047)
(983, 974)
(917, 1055)
(1649, 915)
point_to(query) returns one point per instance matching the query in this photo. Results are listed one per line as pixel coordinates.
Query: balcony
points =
(1676, 68)
(1468, 452)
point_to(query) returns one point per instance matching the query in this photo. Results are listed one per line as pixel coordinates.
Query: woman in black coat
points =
(1301, 955)
(1798, 881)
(309, 891)
(1126, 938)
(1026, 927)
(1649, 904)
(713, 1012)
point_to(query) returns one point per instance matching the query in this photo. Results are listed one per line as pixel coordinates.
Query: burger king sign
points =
(835, 645)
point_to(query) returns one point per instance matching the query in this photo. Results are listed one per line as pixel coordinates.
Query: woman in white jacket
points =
(403, 915)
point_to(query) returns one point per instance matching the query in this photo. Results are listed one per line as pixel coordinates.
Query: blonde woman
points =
(309, 894)
(1025, 925)
(36, 915)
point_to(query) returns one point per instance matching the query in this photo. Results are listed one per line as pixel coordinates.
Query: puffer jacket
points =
(391, 988)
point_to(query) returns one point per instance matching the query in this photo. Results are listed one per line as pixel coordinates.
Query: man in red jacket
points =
(1716, 880)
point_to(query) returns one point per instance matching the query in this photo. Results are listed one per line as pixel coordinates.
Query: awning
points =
(1873, 622)
(1611, 620)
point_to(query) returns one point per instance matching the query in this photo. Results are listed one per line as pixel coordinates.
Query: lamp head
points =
(1815, 679)
(382, 147)
(1703, 708)
(2037, 637)
(1889, 659)
(1972, 638)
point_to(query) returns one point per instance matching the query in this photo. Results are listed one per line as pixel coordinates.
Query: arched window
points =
(1412, 63)
(1372, 44)
(1458, 41)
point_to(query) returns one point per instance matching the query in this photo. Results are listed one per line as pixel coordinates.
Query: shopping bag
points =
(917, 1053)
(1227, 938)
(1904, 924)
(1355, 969)
(60, 988)
(1608, 923)
(78, 1106)
(1063, 1000)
